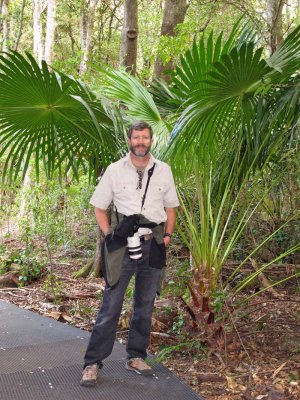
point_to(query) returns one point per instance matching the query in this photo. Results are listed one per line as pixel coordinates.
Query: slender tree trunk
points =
(128, 52)
(5, 24)
(110, 27)
(274, 18)
(87, 24)
(73, 41)
(20, 26)
(38, 48)
(174, 14)
(50, 30)
(25, 188)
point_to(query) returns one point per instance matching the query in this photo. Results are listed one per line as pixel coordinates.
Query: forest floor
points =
(257, 357)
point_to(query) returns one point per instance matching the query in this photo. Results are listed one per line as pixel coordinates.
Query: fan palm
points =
(229, 113)
(53, 118)
(233, 114)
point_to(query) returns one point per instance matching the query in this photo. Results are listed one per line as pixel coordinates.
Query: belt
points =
(148, 236)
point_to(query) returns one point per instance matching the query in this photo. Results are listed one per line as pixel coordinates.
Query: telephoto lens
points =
(134, 246)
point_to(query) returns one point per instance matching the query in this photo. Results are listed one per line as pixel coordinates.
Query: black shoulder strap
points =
(150, 173)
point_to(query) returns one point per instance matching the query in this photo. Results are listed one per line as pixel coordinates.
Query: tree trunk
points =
(110, 27)
(5, 25)
(174, 14)
(50, 31)
(274, 18)
(38, 48)
(93, 267)
(128, 52)
(20, 26)
(86, 29)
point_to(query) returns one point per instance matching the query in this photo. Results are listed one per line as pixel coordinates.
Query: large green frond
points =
(138, 103)
(50, 117)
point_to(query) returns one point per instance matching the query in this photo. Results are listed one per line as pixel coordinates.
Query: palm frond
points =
(51, 117)
(137, 101)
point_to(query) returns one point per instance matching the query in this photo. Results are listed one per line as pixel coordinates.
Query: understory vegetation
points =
(226, 118)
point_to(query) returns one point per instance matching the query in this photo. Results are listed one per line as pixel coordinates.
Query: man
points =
(138, 185)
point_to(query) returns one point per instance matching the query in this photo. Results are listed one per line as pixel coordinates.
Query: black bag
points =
(158, 255)
(128, 226)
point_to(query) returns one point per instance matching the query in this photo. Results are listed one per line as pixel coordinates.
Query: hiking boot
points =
(139, 366)
(90, 375)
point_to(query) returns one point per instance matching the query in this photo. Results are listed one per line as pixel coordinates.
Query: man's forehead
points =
(143, 132)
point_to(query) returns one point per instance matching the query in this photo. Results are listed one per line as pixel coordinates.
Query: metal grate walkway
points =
(41, 358)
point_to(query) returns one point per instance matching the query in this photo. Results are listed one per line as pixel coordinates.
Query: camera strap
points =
(150, 173)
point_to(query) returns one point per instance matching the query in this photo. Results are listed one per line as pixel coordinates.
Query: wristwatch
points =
(168, 235)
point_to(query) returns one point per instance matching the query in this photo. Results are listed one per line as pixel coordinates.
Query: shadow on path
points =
(41, 358)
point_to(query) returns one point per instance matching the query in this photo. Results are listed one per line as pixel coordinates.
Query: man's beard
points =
(141, 152)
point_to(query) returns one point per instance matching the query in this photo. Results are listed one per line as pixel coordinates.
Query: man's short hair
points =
(139, 126)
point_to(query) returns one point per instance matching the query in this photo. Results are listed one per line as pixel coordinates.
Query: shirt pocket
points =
(124, 187)
(157, 191)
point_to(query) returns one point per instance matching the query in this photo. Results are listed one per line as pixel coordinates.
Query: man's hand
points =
(102, 220)
(167, 240)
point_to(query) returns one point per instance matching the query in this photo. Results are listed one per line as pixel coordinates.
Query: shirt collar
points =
(127, 160)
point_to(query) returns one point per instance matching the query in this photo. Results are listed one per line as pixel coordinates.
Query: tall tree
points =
(38, 48)
(274, 19)
(5, 24)
(50, 30)
(86, 31)
(128, 52)
(19, 34)
(174, 14)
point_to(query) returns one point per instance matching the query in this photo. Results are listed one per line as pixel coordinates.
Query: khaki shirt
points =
(119, 184)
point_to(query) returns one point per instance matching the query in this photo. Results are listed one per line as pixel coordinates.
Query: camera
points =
(134, 246)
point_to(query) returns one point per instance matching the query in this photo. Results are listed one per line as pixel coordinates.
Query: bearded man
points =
(144, 196)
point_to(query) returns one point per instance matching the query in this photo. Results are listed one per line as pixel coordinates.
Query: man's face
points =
(140, 142)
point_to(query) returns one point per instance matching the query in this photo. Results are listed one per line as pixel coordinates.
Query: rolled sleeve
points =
(103, 194)
(171, 198)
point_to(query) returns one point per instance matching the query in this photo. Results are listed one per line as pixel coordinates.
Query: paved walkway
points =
(41, 358)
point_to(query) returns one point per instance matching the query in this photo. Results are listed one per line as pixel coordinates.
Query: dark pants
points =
(103, 335)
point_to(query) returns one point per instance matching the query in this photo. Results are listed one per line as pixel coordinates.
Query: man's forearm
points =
(171, 219)
(170, 224)
(102, 220)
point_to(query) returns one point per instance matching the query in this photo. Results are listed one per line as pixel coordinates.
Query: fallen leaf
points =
(277, 370)
(231, 383)
(67, 317)
(53, 314)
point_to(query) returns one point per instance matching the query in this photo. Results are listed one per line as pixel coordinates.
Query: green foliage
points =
(236, 114)
(30, 271)
(29, 266)
(231, 114)
(53, 285)
(177, 325)
(55, 210)
(193, 346)
(54, 118)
